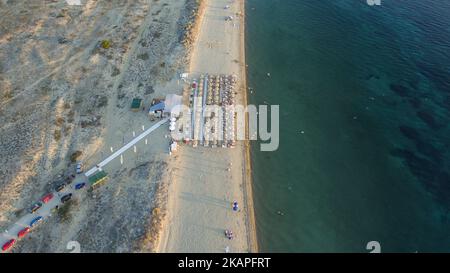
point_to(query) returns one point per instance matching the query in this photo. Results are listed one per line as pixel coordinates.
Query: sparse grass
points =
(105, 44)
(57, 135)
(152, 234)
(156, 212)
(102, 101)
(64, 211)
(59, 121)
(75, 156)
(156, 34)
(8, 95)
(115, 72)
(70, 116)
(19, 212)
(45, 90)
(143, 56)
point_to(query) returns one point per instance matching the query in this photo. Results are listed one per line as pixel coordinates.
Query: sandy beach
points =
(207, 180)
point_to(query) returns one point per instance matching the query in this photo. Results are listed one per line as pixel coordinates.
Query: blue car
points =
(80, 186)
(35, 221)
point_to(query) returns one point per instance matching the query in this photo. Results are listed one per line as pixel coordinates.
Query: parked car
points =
(60, 187)
(66, 198)
(47, 198)
(23, 232)
(8, 244)
(79, 168)
(69, 179)
(36, 206)
(79, 186)
(35, 221)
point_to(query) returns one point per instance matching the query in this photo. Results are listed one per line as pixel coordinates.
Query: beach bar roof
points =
(171, 102)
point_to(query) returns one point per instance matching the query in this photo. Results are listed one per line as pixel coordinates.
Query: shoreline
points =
(197, 209)
(248, 181)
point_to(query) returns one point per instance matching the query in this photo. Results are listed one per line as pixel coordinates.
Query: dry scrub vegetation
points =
(67, 75)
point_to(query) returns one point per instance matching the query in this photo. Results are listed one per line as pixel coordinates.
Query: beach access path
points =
(208, 180)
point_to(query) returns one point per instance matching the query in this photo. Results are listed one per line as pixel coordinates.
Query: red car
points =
(23, 232)
(8, 244)
(47, 198)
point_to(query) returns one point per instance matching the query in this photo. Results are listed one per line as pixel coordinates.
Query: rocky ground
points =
(67, 77)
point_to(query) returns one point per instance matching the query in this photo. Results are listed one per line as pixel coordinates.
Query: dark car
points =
(35, 221)
(60, 187)
(35, 207)
(66, 198)
(68, 180)
(79, 186)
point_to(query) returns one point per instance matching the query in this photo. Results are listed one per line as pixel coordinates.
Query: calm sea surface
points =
(369, 86)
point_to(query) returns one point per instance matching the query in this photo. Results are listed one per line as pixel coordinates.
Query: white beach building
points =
(172, 103)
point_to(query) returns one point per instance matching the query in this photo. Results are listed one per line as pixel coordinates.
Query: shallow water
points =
(370, 88)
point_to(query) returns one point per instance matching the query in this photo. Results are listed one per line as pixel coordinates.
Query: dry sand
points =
(207, 180)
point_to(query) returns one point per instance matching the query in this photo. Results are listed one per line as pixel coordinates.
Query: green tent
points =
(98, 178)
(136, 104)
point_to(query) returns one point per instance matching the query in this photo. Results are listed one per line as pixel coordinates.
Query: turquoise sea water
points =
(370, 88)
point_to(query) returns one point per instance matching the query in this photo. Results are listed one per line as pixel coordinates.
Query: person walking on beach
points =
(235, 206)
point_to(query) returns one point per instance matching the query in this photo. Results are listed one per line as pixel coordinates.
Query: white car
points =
(79, 168)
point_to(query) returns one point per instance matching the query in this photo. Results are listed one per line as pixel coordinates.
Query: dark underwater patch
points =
(447, 102)
(439, 77)
(429, 151)
(415, 102)
(425, 148)
(414, 83)
(435, 180)
(428, 119)
(409, 132)
(400, 90)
